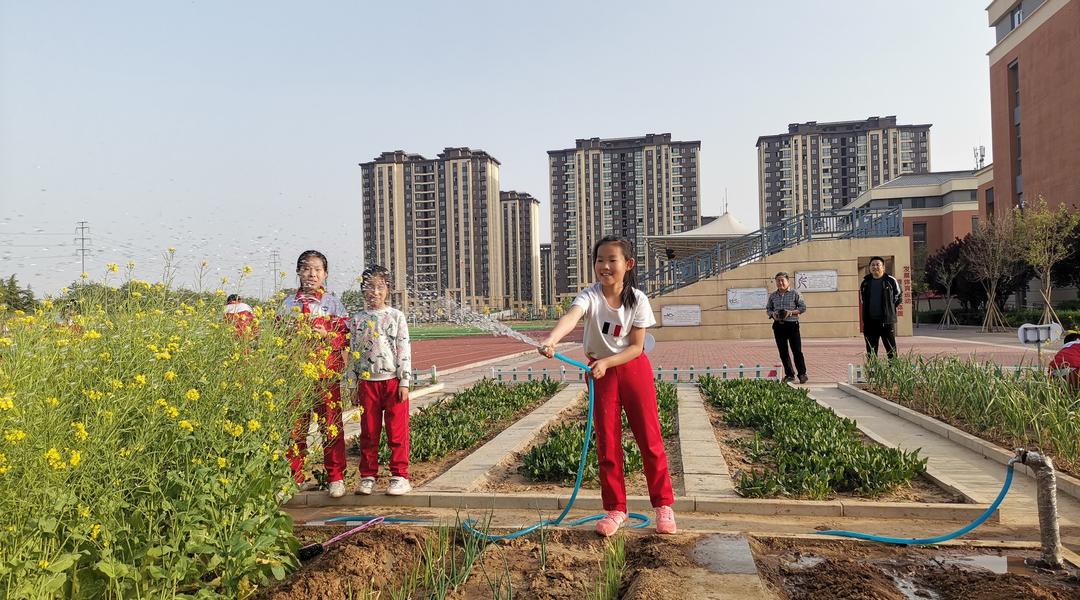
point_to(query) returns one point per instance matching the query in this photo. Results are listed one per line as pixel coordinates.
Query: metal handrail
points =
(786, 233)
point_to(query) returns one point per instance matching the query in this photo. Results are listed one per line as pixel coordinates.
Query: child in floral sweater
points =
(383, 365)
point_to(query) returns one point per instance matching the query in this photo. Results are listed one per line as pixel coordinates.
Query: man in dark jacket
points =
(880, 296)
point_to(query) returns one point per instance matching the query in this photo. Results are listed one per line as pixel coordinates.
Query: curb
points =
(699, 504)
(1065, 483)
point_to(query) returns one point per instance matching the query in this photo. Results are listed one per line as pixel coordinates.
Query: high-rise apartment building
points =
(521, 248)
(436, 224)
(825, 166)
(633, 187)
(1034, 95)
(547, 276)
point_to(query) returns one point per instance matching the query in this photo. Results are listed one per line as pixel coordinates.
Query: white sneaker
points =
(367, 485)
(399, 486)
(337, 489)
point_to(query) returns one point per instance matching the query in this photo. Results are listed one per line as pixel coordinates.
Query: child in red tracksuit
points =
(616, 315)
(383, 366)
(328, 317)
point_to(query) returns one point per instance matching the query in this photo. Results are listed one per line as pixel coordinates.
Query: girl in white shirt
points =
(617, 314)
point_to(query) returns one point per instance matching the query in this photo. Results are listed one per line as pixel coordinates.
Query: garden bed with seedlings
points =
(778, 443)
(550, 463)
(388, 562)
(811, 569)
(1010, 408)
(445, 432)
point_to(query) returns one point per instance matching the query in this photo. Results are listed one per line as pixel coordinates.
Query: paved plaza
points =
(827, 360)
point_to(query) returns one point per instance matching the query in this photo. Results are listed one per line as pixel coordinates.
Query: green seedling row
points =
(556, 459)
(811, 452)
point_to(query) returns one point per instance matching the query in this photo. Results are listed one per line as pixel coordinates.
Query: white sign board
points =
(747, 298)
(680, 315)
(816, 281)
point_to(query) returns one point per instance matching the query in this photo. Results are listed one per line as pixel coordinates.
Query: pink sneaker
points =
(610, 523)
(665, 520)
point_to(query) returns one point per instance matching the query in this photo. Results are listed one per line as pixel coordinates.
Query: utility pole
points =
(275, 257)
(82, 238)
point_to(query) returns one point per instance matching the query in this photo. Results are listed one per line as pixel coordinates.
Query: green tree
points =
(15, 297)
(1043, 241)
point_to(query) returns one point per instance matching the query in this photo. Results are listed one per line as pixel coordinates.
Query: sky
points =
(230, 130)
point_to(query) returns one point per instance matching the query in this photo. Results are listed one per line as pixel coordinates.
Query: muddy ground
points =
(807, 569)
(567, 564)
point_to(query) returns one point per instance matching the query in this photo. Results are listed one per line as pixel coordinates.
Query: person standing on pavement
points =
(784, 307)
(880, 295)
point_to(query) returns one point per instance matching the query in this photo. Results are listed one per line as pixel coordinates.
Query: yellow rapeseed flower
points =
(268, 394)
(356, 355)
(140, 380)
(310, 371)
(112, 267)
(93, 394)
(105, 356)
(52, 401)
(91, 335)
(14, 436)
(332, 430)
(169, 375)
(172, 250)
(43, 564)
(224, 481)
(186, 425)
(75, 458)
(95, 531)
(80, 431)
(116, 384)
(173, 412)
(4, 468)
(366, 375)
(221, 462)
(253, 425)
(6, 342)
(55, 460)
(192, 394)
(7, 402)
(247, 270)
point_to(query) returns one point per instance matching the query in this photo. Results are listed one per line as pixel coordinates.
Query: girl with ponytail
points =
(616, 316)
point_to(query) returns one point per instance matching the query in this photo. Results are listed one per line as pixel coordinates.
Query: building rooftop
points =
(623, 142)
(917, 179)
(811, 127)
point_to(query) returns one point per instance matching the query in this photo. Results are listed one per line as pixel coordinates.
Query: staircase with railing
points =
(788, 233)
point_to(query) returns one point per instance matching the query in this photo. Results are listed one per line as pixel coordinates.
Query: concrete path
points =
(976, 476)
(472, 470)
(705, 472)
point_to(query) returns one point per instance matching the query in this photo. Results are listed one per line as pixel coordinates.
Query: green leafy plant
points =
(556, 458)
(143, 446)
(812, 451)
(1021, 408)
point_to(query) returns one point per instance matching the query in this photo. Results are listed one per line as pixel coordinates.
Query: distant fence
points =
(675, 374)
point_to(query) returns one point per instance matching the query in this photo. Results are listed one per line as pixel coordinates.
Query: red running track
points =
(459, 351)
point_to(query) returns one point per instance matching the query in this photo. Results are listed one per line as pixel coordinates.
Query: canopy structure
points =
(706, 237)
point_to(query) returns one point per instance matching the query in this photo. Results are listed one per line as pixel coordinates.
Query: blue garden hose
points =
(940, 538)
(644, 520)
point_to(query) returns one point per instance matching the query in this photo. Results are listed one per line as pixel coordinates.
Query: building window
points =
(1016, 16)
(918, 237)
(989, 203)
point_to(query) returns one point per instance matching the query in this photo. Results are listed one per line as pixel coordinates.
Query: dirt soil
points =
(920, 489)
(375, 559)
(807, 569)
(505, 478)
(564, 564)
(1006, 442)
